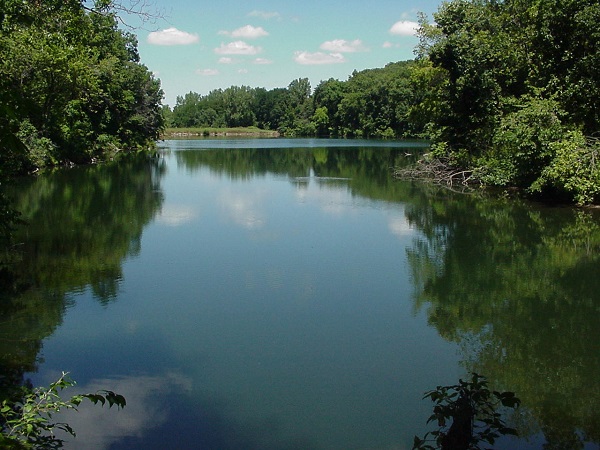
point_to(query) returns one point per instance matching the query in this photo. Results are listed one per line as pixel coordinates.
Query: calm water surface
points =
(289, 294)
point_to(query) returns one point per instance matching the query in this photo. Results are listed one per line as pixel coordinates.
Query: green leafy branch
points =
(467, 416)
(27, 423)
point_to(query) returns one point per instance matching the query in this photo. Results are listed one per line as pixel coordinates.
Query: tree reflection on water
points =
(518, 287)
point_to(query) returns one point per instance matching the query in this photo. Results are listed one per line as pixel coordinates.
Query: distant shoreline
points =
(217, 132)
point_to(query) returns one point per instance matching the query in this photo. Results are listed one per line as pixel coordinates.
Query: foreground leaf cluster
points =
(28, 421)
(467, 415)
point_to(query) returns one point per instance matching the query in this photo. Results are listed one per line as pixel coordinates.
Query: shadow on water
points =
(517, 286)
(80, 225)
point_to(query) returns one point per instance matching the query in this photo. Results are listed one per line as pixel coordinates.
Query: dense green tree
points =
(518, 86)
(321, 121)
(329, 94)
(238, 104)
(565, 55)
(300, 108)
(186, 112)
(271, 108)
(371, 103)
(73, 82)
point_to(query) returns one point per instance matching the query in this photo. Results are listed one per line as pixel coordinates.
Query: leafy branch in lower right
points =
(467, 416)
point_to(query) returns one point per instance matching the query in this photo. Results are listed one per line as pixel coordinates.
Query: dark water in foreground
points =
(289, 294)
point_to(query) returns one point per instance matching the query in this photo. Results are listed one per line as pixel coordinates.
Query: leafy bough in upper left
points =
(27, 423)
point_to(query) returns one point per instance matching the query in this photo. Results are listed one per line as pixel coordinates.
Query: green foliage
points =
(523, 143)
(68, 75)
(516, 78)
(372, 103)
(27, 422)
(467, 416)
(321, 120)
(574, 168)
(41, 151)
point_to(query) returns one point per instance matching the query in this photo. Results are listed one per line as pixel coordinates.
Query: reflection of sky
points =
(285, 311)
(244, 207)
(97, 427)
(332, 199)
(174, 215)
(399, 226)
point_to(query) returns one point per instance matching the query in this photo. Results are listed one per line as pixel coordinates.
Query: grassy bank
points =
(170, 133)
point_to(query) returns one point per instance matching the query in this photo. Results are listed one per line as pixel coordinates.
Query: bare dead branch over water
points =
(439, 171)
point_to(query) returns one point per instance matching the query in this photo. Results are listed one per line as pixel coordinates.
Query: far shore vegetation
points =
(175, 133)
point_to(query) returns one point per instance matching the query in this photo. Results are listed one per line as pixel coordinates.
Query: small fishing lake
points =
(291, 294)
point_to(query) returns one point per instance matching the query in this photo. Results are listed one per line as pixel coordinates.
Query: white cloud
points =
(242, 71)
(343, 46)
(226, 60)
(387, 44)
(265, 14)
(404, 28)
(262, 61)
(175, 215)
(248, 32)
(172, 36)
(237, 48)
(244, 208)
(207, 72)
(400, 226)
(307, 58)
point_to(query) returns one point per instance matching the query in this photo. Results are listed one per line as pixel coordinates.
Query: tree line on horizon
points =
(373, 103)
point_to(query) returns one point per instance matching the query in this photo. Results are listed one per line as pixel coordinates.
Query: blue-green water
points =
(290, 294)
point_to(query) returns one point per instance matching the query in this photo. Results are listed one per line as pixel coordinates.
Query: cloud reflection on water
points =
(244, 208)
(174, 215)
(98, 428)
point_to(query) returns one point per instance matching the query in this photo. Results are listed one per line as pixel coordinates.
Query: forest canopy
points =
(515, 93)
(371, 103)
(72, 88)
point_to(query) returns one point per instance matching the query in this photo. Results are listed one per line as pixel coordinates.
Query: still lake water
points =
(290, 294)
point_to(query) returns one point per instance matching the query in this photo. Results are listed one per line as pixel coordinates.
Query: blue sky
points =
(201, 46)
